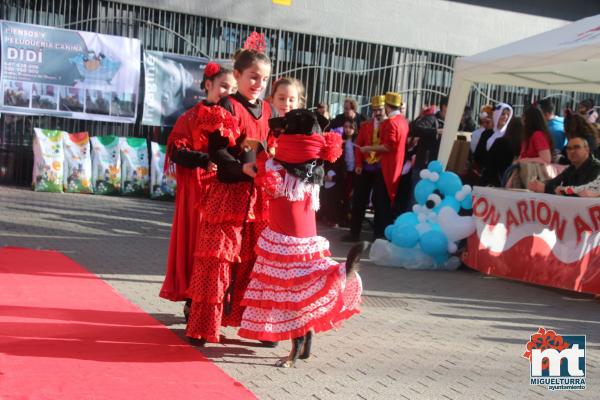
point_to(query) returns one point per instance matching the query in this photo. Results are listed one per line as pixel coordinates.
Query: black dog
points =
(301, 345)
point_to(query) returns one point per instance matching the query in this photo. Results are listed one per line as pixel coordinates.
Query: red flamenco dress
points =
(187, 148)
(235, 213)
(295, 287)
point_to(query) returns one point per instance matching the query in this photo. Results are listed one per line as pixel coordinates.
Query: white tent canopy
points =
(566, 58)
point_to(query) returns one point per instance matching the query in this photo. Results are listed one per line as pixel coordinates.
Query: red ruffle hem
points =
(193, 184)
(292, 291)
(182, 244)
(227, 235)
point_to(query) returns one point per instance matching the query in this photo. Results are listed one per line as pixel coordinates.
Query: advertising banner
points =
(539, 238)
(172, 86)
(66, 73)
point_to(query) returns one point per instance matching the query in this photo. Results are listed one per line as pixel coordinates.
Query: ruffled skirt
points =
(295, 287)
(232, 219)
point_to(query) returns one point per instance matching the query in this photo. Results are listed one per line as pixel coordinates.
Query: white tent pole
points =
(459, 94)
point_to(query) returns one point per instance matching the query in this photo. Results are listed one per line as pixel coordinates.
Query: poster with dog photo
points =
(17, 94)
(44, 96)
(172, 86)
(72, 64)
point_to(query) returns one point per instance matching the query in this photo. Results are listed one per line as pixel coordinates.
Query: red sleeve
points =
(181, 134)
(392, 138)
(360, 141)
(538, 142)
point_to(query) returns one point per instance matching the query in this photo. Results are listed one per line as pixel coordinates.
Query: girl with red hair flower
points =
(187, 152)
(235, 210)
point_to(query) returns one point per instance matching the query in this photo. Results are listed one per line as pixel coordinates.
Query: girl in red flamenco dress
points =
(235, 210)
(187, 149)
(295, 288)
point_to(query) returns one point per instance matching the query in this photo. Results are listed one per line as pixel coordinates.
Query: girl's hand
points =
(212, 167)
(249, 169)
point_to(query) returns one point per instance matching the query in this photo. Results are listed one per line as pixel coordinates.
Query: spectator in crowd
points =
(537, 143)
(586, 108)
(403, 109)
(584, 168)
(556, 124)
(332, 193)
(427, 130)
(423, 145)
(502, 115)
(466, 122)
(350, 111)
(502, 154)
(494, 129)
(423, 133)
(440, 115)
(349, 134)
(577, 125)
(323, 109)
(366, 167)
(485, 125)
(590, 189)
(323, 118)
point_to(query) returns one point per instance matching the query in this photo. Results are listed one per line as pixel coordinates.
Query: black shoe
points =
(266, 343)
(197, 342)
(350, 238)
(186, 310)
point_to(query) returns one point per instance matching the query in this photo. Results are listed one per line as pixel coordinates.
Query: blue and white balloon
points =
(434, 226)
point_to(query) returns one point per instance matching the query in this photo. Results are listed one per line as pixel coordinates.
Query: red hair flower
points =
(211, 69)
(256, 41)
(333, 147)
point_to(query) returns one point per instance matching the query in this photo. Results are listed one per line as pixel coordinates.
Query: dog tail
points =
(353, 257)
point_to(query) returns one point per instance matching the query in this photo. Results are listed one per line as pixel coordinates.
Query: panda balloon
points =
(428, 235)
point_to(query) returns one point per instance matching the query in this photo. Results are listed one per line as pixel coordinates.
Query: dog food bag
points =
(48, 160)
(135, 167)
(162, 184)
(78, 163)
(106, 164)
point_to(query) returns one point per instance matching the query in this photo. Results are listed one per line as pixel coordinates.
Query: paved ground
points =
(422, 334)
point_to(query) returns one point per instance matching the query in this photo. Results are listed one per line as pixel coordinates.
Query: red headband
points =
(299, 148)
(211, 69)
(256, 41)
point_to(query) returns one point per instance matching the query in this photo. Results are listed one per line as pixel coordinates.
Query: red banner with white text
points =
(538, 238)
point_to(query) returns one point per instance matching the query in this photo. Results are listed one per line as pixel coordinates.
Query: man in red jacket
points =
(366, 167)
(393, 134)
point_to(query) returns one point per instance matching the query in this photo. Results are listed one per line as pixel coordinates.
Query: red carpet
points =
(66, 334)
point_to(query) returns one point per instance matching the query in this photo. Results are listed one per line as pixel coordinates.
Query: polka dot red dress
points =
(234, 214)
(189, 133)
